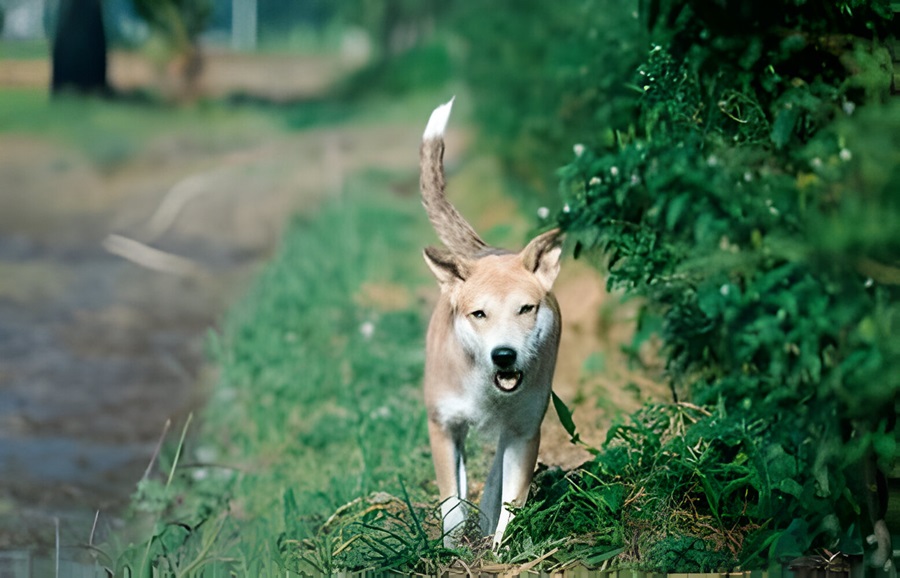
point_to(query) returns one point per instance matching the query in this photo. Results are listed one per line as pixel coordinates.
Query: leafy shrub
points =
(754, 205)
(547, 74)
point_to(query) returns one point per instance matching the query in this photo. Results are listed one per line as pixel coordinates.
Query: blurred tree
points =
(179, 24)
(394, 25)
(79, 48)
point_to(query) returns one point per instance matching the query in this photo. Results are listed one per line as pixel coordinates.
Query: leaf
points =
(676, 209)
(783, 127)
(792, 543)
(565, 417)
(600, 558)
(791, 487)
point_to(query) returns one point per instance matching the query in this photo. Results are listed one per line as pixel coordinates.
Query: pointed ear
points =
(542, 255)
(447, 267)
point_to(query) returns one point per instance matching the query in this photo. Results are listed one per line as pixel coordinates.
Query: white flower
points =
(816, 163)
(367, 329)
(869, 282)
(748, 176)
(635, 179)
(614, 171)
(845, 154)
(848, 107)
(712, 160)
(594, 181)
(543, 212)
(566, 208)
(724, 290)
(578, 149)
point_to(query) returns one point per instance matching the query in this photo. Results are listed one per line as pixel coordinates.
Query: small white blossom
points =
(200, 474)
(748, 176)
(367, 329)
(543, 212)
(845, 154)
(712, 161)
(869, 282)
(381, 412)
(566, 208)
(594, 181)
(848, 107)
(614, 171)
(635, 179)
(816, 163)
(578, 149)
(724, 290)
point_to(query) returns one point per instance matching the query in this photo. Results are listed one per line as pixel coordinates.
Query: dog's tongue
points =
(508, 380)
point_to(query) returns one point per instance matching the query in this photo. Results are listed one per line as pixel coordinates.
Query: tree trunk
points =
(79, 48)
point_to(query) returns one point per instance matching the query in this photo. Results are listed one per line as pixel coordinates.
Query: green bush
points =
(753, 203)
(546, 74)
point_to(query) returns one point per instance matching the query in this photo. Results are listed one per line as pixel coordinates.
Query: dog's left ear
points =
(542, 255)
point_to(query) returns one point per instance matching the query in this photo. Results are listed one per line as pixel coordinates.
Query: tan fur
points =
(490, 350)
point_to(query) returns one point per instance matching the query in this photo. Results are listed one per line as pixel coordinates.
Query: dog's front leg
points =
(519, 457)
(448, 454)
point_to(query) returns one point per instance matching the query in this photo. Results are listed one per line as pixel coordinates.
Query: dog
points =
(490, 350)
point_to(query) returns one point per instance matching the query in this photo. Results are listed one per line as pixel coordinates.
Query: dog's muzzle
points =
(506, 378)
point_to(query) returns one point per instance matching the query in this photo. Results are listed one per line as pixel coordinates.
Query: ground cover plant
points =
(750, 197)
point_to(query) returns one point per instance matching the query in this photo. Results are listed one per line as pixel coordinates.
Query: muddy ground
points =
(102, 342)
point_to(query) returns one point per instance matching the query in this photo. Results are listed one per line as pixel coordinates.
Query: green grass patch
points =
(24, 49)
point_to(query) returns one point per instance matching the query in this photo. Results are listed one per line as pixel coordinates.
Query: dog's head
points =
(499, 304)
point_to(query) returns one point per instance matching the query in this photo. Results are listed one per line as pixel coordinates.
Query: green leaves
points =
(742, 208)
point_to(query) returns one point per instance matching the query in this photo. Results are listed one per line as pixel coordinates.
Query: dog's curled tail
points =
(452, 229)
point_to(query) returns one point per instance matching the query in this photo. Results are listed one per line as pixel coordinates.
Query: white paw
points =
(453, 513)
(502, 523)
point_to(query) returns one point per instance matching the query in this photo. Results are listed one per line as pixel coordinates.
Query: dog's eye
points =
(478, 314)
(526, 309)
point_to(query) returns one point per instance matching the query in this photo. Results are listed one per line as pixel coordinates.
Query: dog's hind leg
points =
(448, 453)
(509, 481)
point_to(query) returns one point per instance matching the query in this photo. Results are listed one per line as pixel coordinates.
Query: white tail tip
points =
(438, 121)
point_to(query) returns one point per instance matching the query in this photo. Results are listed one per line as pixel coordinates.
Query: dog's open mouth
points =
(508, 380)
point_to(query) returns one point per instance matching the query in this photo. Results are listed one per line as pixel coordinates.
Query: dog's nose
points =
(503, 356)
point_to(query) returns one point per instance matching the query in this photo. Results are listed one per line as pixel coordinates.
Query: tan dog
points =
(490, 350)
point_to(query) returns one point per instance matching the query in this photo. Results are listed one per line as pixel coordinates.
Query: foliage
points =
(394, 25)
(180, 22)
(753, 203)
(546, 74)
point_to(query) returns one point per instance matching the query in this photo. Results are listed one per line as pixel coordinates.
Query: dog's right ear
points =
(447, 267)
